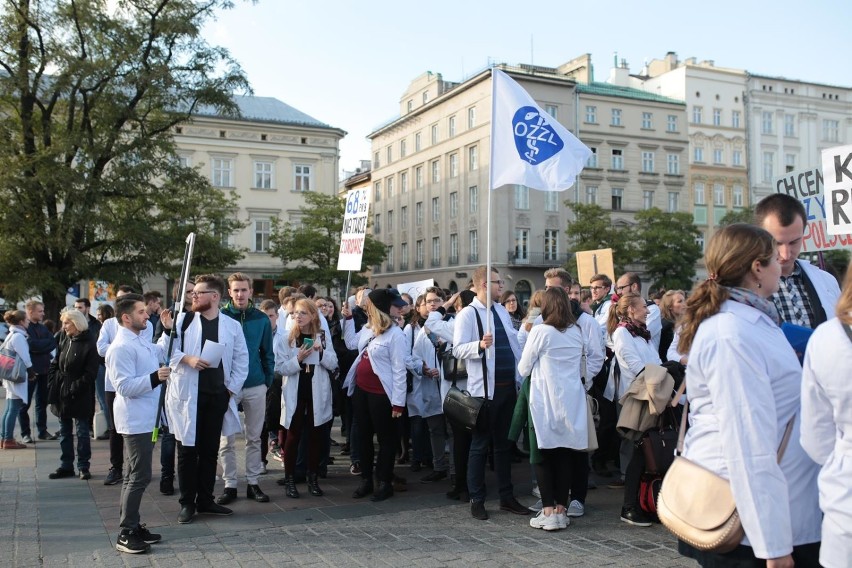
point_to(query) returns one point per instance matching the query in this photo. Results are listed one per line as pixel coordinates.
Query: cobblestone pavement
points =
(69, 522)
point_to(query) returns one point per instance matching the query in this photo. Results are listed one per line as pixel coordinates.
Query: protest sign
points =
(837, 166)
(591, 262)
(354, 231)
(414, 289)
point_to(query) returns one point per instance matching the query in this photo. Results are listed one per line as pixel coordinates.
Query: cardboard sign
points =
(415, 289)
(354, 231)
(807, 186)
(837, 165)
(591, 262)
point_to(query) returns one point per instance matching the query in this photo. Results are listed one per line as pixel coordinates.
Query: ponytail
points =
(705, 301)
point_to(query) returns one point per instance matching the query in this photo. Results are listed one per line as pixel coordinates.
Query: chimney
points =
(620, 74)
(671, 60)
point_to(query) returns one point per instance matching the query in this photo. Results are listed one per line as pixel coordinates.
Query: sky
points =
(348, 63)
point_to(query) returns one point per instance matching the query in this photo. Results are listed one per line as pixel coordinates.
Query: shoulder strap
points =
(482, 355)
(187, 319)
(846, 328)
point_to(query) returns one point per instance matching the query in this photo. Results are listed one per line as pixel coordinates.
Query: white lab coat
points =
(827, 435)
(444, 329)
(466, 344)
(387, 358)
(632, 354)
(182, 390)
(130, 360)
(825, 285)
(414, 365)
(743, 383)
(429, 401)
(557, 397)
(287, 363)
(593, 345)
(107, 335)
(18, 343)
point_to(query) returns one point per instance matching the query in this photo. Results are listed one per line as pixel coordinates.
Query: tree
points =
(90, 186)
(312, 246)
(738, 216)
(667, 248)
(592, 229)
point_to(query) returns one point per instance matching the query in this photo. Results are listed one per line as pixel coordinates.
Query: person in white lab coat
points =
(557, 405)
(743, 383)
(16, 393)
(827, 426)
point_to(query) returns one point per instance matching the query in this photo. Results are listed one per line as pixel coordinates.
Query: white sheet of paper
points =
(212, 353)
(312, 359)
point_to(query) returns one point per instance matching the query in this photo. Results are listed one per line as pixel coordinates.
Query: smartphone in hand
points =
(308, 343)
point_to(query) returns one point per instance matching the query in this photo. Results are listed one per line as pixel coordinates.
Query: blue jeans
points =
(66, 443)
(37, 390)
(100, 392)
(167, 452)
(499, 418)
(13, 409)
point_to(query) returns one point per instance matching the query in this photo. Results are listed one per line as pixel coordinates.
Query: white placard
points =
(354, 231)
(415, 289)
(807, 186)
(837, 167)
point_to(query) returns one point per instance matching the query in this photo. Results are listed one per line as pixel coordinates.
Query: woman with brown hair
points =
(305, 361)
(743, 383)
(672, 308)
(516, 311)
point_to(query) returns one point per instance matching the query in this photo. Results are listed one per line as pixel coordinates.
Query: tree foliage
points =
(666, 246)
(89, 184)
(592, 229)
(311, 247)
(738, 216)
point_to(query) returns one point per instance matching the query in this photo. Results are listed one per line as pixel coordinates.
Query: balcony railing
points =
(538, 259)
(418, 264)
(473, 257)
(403, 266)
(453, 260)
(436, 262)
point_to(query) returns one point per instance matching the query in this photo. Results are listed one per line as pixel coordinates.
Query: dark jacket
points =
(42, 343)
(71, 380)
(258, 333)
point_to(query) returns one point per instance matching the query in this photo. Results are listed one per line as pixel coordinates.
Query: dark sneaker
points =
(186, 514)
(60, 473)
(230, 494)
(85, 475)
(131, 543)
(214, 509)
(113, 476)
(635, 517)
(511, 505)
(434, 476)
(167, 486)
(617, 484)
(477, 510)
(148, 536)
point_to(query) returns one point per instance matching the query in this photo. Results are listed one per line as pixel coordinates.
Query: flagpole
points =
(488, 213)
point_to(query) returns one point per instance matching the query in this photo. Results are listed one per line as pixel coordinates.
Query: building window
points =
(696, 114)
(768, 166)
(790, 162)
(718, 157)
(671, 123)
(390, 221)
(425, 97)
(699, 240)
(403, 256)
(617, 198)
(418, 254)
(403, 217)
(262, 230)
(223, 171)
(454, 248)
(377, 191)
(717, 117)
(418, 177)
(551, 110)
(418, 142)
(454, 165)
(389, 186)
(831, 130)
(737, 157)
(699, 193)
(263, 175)
(766, 122)
(377, 224)
(436, 171)
(402, 149)
(390, 154)
(403, 182)
(451, 126)
(454, 204)
(674, 198)
(473, 244)
(434, 134)
(592, 194)
(646, 120)
(735, 118)
(718, 195)
(522, 245)
(522, 197)
(617, 159)
(302, 178)
(436, 210)
(592, 114)
(616, 117)
(376, 163)
(409, 105)
(738, 195)
(673, 164)
(471, 117)
(418, 214)
(472, 199)
(436, 251)
(698, 155)
(648, 162)
(389, 258)
(647, 199)
(551, 244)
(593, 159)
(551, 200)
(472, 159)
(789, 125)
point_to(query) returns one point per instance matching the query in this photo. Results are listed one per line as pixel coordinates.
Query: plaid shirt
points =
(791, 299)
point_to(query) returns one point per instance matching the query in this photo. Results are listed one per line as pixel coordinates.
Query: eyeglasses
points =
(620, 288)
(301, 313)
(434, 301)
(500, 282)
(597, 287)
(200, 292)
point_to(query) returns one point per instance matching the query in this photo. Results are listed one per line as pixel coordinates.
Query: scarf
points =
(595, 305)
(636, 329)
(749, 298)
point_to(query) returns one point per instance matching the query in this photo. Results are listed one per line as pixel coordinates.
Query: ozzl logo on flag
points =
(535, 140)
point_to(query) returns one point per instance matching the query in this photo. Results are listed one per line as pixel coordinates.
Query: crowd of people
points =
(559, 376)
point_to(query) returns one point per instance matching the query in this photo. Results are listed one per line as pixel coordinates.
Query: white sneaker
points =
(536, 507)
(542, 521)
(563, 520)
(536, 493)
(575, 509)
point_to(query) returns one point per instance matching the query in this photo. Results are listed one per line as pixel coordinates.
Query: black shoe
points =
(254, 492)
(313, 486)
(104, 436)
(167, 485)
(230, 494)
(60, 473)
(364, 489)
(344, 450)
(457, 493)
(46, 436)
(187, 512)
(214, 509)
(434, 476)
(477, 510)
(289, 483)
(113, 476)
(129, 541)
(148, 536)
(85, 475)
(635, 517)
(511, 505)
(416, 466)
(384, 491)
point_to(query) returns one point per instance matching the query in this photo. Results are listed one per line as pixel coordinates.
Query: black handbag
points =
(462, 409)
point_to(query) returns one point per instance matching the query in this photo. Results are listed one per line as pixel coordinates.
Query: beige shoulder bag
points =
(697, 505)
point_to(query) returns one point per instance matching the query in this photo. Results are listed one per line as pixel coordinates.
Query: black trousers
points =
(116, 440)
(373, 415)
(197, 464)
(553, 475)
(633, 477)
(804, 556)
(461, 455)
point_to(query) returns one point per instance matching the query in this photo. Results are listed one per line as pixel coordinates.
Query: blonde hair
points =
(667, 302)
(377, 320)
(314, 325)
(618, 310)
(729, 258)
(77, 318)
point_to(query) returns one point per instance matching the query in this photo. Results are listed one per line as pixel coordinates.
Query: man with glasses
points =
(200, 402)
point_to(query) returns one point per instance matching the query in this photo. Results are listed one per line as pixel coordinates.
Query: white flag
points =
(528, 146)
